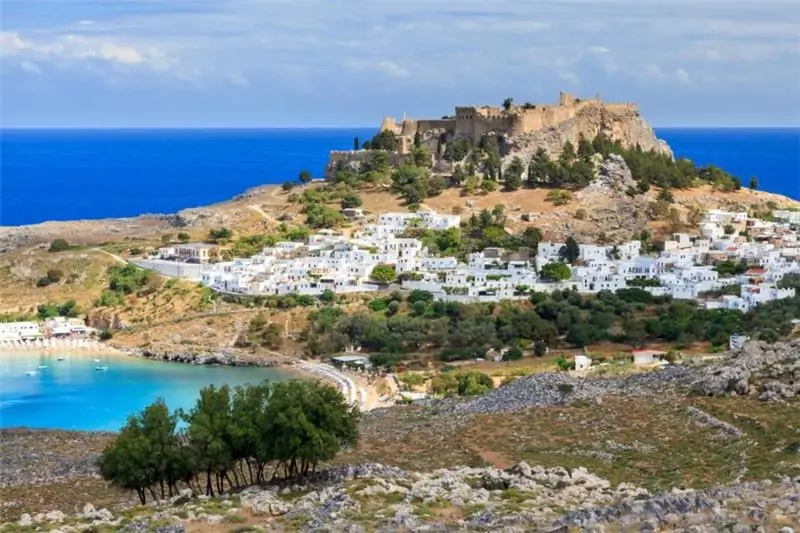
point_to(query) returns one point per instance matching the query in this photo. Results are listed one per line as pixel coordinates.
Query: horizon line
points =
(342, 127)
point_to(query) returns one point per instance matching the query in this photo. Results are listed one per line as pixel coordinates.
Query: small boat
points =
(95, 360)
(62, 358)
(30, 373)
(101, 368)
(42, 367)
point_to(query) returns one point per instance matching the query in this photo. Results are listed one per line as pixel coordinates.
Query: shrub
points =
(54, 275)
(351, 200)
(513, 354)
(105, 334)
(559, 197)
(383, 274)
(59, 245)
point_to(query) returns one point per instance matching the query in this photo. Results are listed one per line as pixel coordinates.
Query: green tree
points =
(530, 238)
(309, 423)
(539, 349)
(508, 103)
(729, 230)
(320, 216)
(288, 185)
(356, 143)
(327, 296)
(571, 250)
(488, 185)
(351, 200)
(512, 354)
(147, 454)
(220, 235)
(513, 175)
(305, 176)
(383, 274)
(555, 271)
(59, 245)
(417, 140)
(384, 140)
(209, 423)
(183, 237)
(753, 183)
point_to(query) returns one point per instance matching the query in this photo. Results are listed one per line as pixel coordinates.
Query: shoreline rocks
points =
(219, 358)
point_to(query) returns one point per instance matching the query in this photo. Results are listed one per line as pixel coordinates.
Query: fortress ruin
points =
(522, 130)
(473, 122)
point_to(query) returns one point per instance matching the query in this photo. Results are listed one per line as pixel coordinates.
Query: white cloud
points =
(655, 72)
(79, 48)
(391, 69)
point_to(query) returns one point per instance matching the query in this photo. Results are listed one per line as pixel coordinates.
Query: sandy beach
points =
(356, 387)
(76, 346)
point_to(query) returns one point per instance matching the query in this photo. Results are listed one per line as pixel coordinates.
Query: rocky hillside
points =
(523, 498)
(627, 127)
(677, 449)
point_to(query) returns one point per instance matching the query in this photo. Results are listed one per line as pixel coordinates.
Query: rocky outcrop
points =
(628, 127)
(771, 371)
(218, 357)
(522, 498)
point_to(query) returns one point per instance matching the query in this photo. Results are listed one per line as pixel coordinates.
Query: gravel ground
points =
(34, 457)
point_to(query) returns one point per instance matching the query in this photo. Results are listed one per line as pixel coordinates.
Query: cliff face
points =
(627, 127)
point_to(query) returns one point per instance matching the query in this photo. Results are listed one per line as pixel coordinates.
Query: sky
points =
(283, 63)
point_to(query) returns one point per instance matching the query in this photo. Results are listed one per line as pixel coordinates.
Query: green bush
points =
(512, 354)
(59, 245)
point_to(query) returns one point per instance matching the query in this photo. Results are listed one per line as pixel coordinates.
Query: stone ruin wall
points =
(542, 125)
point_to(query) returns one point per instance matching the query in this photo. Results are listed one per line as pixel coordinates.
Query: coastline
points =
(355, 390)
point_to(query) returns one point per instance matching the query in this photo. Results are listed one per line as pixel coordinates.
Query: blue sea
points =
(80, 174)
(71, 394)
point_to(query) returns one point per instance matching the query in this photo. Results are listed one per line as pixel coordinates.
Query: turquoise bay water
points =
(71, 394)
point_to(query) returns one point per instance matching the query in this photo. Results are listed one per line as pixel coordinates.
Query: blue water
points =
(770, 154)
(75, 174)
(71, 394)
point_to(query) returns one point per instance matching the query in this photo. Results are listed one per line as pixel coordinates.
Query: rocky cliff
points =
(628, 127)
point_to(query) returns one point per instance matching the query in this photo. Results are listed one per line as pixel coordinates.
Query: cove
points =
(41, 391)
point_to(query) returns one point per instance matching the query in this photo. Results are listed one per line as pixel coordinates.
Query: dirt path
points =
(115, 257)
(257, 209)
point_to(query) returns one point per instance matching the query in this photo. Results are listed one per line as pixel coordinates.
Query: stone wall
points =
(529, 127)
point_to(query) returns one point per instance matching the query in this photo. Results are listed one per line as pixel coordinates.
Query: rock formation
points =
(628, 127)
(772, 371)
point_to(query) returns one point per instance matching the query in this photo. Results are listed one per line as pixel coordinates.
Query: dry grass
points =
(654, 443)
(651, 442)
(84, 270)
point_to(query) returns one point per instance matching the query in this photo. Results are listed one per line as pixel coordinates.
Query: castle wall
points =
(447, 124)
(473, 122)
(622, 108)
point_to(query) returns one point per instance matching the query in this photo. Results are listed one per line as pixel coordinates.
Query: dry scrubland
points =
(651, 442)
